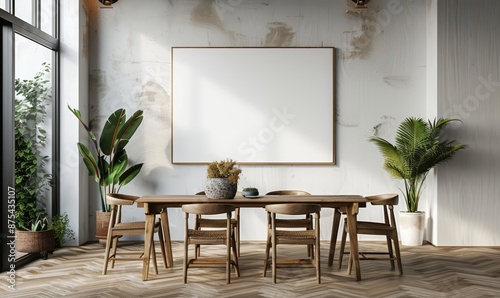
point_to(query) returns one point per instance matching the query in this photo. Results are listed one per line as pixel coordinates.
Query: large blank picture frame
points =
(253, 105)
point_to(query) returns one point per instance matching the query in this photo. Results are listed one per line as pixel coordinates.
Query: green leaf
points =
(89, 160)
(130, 174)
(119, 164)
(128, 129)
(110, 131)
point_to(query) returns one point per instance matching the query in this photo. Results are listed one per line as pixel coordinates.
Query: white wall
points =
(74, 189)
(381, 79)
(469, 89)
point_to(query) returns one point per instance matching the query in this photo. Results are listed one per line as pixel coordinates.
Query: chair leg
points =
(318, 261)
(197, 248)
(235, 254)
(391, 252)
(342, 246)
(185, 266)
(398, 252)
(273, 241)
(106, 255)
(266, 259)
(310, 249)
(237, 213)
(228, 260)
(114, 247)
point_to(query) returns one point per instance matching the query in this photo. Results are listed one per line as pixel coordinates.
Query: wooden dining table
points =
(159, 204)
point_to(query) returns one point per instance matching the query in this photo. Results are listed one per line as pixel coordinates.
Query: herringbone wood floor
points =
(428, 272)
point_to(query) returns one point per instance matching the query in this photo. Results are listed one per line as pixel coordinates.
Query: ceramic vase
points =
(220, 188)
(411, 228)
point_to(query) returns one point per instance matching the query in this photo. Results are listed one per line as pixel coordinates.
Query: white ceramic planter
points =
(411, 227)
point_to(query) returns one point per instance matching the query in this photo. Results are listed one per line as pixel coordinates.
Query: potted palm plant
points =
(418, 148)
(108, 162)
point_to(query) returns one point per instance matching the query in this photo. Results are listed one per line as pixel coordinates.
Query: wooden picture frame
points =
(255, 105)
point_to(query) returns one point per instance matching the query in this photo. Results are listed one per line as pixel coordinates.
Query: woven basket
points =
(102, 224)
(34, 242)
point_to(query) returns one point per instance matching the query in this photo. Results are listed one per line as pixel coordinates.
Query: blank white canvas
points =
(253, 105)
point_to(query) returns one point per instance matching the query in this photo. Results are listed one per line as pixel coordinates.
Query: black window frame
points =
(10, 25)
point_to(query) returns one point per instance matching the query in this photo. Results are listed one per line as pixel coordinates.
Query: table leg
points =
(148, 239)
(166, 235)
(335, 230)
(353, 238)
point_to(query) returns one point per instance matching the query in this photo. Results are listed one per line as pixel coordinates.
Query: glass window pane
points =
(33, 127)
(24, 10)
(47, 16)
(3, 4)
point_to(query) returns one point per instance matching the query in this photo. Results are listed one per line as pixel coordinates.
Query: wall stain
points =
(99, 83)
(154, 98)
(397, 81)
(280, 35)
(362, 44)
(208, 13)
(385, 121)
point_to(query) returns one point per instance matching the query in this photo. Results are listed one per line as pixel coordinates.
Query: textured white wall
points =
(469, 89)
(381, 79)
(74, 88)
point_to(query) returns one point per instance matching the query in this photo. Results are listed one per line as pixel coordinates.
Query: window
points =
(28, 74)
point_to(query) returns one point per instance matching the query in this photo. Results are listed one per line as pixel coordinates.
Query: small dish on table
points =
(250, 192)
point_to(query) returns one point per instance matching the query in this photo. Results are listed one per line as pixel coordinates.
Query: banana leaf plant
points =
(418, 148)
(108, 163)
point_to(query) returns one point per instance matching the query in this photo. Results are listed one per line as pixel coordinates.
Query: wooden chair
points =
(287, 236)
(117, 229)
(224, 236)
(203, 222)
(387, 228)
(291, 223)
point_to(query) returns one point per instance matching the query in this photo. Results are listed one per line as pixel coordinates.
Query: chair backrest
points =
(387, 201)
(384, 199)
(293, 209)
(208, 208)
(117, 201)
(288, 192)
(120, 199)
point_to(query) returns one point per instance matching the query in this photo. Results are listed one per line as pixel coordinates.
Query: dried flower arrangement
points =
(224, 169)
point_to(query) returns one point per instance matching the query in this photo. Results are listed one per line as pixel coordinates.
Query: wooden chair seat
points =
(224, 235)
(118, 229)
(281, 235)
(305, 223)
(386, 228)
(137, 226)
(203, 222)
